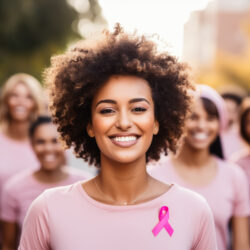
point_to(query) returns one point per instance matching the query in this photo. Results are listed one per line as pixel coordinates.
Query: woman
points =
(120, 103)
(199, 166)
(22, 189)
(242, 158)
(21, 101)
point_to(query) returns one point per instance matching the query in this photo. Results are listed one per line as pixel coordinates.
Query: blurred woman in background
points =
(230, 136)
(242, 158)
(21, 101)
(23, 188)
(200, 166)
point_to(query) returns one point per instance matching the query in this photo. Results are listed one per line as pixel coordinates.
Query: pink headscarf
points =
(212, 95)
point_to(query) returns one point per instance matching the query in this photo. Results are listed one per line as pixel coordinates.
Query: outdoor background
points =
(212, 36)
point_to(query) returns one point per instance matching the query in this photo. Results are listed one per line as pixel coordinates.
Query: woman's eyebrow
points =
(139, 100)
(130, 101)
(106, 101)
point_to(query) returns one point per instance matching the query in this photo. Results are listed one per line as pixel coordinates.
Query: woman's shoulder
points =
(19, 180)
(231, 170)
(240, 155)
(53, 199)
(227, 165)
(62, 191)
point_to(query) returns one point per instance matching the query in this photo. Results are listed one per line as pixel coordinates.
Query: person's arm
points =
(35, 230)
(10, 235)
(205, 238)
(240, 233)
(241, 211)
(9, 216)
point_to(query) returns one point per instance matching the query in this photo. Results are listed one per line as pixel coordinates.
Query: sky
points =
(163, 17)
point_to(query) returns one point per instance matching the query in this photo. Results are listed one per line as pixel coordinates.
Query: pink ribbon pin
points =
(163, 217)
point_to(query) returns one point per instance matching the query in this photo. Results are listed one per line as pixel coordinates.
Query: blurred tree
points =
(32, 30)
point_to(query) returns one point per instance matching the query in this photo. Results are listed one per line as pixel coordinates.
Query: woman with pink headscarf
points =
(200, 167)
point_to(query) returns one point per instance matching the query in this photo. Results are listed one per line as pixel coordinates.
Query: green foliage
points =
(30, 32)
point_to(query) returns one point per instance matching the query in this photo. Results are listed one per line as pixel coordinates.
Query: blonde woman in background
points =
(21, 101)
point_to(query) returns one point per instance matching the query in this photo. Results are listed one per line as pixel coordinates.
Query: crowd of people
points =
(172, 156)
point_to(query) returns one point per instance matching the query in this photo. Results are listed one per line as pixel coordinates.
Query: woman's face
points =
(123, 121)
(47, 147)
(201, 129)
(20, 103)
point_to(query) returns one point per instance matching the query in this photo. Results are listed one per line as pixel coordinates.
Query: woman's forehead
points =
(124, 87)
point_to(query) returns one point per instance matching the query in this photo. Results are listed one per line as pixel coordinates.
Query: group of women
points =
(133, 112)
(32, 158)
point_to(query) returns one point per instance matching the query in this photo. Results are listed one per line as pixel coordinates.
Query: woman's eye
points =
(139, 109)
(106, 111)
(193, 117)
(39, 142)
(211, 118)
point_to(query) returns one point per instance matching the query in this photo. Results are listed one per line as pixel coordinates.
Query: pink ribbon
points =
(163, 223)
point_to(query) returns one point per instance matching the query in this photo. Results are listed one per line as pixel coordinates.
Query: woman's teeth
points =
(20, 109)
(49, 158)
(200, 136)
(125, 138)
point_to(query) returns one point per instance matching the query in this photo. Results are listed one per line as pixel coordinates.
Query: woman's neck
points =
(18, 130)
(123, 183)
(192, 157)
(50, 176)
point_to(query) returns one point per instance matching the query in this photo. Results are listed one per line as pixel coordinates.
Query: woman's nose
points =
(202, 124)
(123, 121)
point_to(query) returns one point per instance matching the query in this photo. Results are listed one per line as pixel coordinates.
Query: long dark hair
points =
(216, 146)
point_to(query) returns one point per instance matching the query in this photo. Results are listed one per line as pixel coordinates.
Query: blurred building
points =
(219, 27)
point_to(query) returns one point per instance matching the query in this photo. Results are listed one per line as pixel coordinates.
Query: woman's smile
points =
(126, 140)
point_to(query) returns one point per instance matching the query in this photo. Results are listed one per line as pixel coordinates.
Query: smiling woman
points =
(200, 167)
(23, 188)
(21, 101)
(120, 103)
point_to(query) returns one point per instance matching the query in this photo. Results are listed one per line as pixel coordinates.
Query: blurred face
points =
(232, 109)
(201, 128)
(123, 121)
(20, 103)
(247, 125)
(48, 149)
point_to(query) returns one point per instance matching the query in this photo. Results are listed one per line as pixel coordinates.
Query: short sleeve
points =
(35, 230)
(9, 204)
(241, 193)
(205, 233)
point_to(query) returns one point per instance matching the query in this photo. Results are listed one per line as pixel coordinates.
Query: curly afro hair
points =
(75, 76)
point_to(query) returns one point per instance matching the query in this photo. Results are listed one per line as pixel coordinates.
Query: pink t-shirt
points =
(242, 159)
(227, 194)
(15, 156)
(231, 141)
(20, 190)
(67, 218)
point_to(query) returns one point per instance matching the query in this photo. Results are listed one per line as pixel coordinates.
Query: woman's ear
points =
(156, 128)
(90, 130)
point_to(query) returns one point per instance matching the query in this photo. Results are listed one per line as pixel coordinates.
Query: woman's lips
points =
(124, 141)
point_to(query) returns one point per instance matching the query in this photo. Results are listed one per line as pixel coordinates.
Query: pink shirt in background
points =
(68, 219)
(242, 159)
(20, 190)
(227, 194)
(231, 141)
(15, 156)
